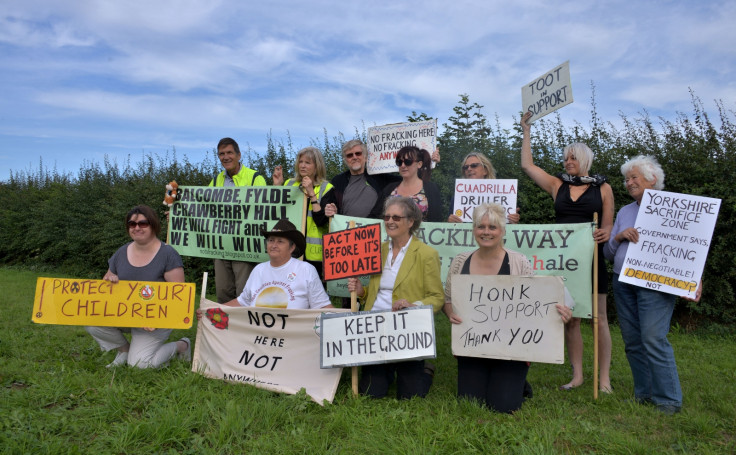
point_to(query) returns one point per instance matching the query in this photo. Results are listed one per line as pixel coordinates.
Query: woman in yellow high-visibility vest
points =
(311, 177)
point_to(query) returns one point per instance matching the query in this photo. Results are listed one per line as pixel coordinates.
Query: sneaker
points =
(668, 409)
(120, 359)
(186, 354)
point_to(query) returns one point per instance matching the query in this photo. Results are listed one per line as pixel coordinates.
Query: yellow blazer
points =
(418, 277)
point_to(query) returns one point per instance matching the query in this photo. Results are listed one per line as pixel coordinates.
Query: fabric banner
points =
(553, 249)
(384, 141)
(508, 317)
(370, 337)
(78, 301)
(470, 193)
(547, 93)
(226, 222)
(675, 233)
(273, 349)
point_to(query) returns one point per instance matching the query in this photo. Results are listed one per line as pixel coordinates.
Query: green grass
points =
(56, 396)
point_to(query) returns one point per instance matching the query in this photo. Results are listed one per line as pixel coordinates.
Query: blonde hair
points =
(484, 161)
(495, 213)
(320, 170)
(582, 153)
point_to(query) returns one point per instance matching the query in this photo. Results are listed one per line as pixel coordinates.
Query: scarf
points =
(594, 180)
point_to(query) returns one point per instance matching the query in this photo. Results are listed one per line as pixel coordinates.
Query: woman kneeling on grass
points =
(498, 384)
(146, 258)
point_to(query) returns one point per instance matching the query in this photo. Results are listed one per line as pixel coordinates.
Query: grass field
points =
(57, 397)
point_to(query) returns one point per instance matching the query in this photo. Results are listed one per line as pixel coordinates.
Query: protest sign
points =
(675, 233)
(273, 349)
(77, 301)
(508, 317)
(553, 249)
(371, 337)
(226, 222)
(352, 252)
(384, 141)
(470, 193)
(547, 93)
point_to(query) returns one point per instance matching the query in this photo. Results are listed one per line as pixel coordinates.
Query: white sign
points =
(384, 141)
(547, 93)
(675, 233)
(370, 337)
(470, 193)
(508, 317)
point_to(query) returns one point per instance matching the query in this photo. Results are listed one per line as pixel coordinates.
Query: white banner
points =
(273, 349)
(370, 337)
(384, 141)
(675, 233)
(548, 92)
(470, 193)
(508, 317)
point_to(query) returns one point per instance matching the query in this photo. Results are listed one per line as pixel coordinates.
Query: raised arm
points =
(543, 180)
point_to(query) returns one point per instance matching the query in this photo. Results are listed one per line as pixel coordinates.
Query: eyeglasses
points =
(395, 218)
(470, 166)
(406, 161)
(141, 224)
(356, 154)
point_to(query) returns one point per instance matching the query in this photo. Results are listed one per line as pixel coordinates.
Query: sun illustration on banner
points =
(146, 292)
(272, 297)
(218, 318)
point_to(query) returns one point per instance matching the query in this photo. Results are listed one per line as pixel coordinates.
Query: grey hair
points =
(495, 213)
(409, 207)
(352, 143)
(648, 166)
(582, 153)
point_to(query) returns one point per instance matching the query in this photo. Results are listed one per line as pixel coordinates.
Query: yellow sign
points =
(70, 301)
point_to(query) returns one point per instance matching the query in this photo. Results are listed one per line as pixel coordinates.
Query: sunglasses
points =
(470, 166)
(356, 154)
(141, 224)
(395, 218)
(406, 161)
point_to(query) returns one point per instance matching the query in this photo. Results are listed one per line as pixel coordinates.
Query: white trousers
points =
(147, 349)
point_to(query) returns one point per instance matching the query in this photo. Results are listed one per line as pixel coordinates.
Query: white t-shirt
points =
(294, 285)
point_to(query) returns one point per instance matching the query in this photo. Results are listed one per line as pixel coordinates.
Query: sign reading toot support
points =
(508, 317)
(370, 337)
(470, 193)
(675, 232)
(384, 141)
(547, 93)
(76, 301)
(273, 349)
(226, 222)
(353, 252)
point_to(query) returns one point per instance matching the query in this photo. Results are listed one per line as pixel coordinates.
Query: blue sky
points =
(82, 80)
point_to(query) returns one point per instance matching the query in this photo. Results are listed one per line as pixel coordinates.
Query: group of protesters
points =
(411, 269)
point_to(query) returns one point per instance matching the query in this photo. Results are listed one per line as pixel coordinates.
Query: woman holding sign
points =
(644, 314)
(415, 168)
(146, 258)
(411, 276)
(499, 384)
(577, 196)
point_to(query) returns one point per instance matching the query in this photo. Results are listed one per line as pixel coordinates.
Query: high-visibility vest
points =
(244, 177)
(314, 232)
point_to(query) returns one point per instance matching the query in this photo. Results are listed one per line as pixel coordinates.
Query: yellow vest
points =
(314, 232)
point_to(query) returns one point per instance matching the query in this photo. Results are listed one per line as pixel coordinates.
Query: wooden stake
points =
(354, 308)
(595, 311)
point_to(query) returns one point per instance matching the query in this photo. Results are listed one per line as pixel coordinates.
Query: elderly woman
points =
(415, 168)
(146, 258)
(577, 196)
(311, 173)
(478, 166)
(411, 274)
(499, 384)
(644, 314)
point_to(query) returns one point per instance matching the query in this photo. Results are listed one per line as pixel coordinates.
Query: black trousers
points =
(411, 379)
(498, 384)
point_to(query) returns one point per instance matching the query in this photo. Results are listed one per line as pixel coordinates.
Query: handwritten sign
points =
(226, 222)
(508, 317)
(675, 233)
(371, 337)
(273, 349)
(77, 301)
(547, 93)
(470, 193)
(352, 252)
(384, 141)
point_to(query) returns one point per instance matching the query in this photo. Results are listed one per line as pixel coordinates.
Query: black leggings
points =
(498, 384)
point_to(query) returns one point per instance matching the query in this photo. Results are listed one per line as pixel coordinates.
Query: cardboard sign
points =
(226, 222)
(371, 337)
(675, 233)
(272, 349)
(77, 301)
(470, 193)
(384, 141)
(352, 252)
(508, 317)
(547, 93)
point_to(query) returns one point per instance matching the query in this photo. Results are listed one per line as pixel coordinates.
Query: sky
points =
(82, 80)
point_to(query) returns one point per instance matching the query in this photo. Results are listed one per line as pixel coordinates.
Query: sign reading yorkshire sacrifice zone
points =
(675, 233)
(352, 253)
(384, 141)
(470, 193)
(74, 301)
(547, 93)
(226, 222)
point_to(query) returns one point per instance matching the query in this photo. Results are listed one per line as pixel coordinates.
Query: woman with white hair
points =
(577, 196)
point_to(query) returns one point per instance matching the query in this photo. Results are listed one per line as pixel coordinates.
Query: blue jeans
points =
(644, 316)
